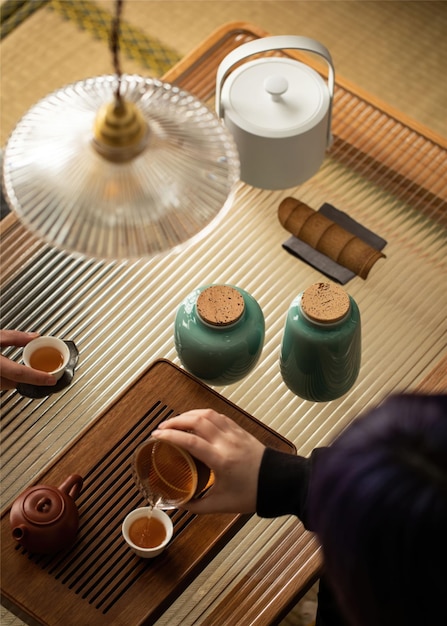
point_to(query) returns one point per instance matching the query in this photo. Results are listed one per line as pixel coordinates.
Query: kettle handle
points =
(277, 42)
(72, 485)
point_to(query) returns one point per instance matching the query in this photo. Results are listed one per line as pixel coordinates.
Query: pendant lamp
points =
(120, 166)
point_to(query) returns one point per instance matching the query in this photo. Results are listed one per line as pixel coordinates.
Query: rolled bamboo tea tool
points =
(328, 237)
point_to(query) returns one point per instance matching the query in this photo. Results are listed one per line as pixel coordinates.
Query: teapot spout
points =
(19, 532)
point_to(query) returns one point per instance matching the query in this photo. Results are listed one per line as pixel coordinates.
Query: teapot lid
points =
(275, 97)
(43, 505)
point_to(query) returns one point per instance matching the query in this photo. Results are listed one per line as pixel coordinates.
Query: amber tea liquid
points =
(46, 359)
(147, 532)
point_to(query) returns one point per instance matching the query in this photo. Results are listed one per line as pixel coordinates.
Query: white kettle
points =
(278, 110)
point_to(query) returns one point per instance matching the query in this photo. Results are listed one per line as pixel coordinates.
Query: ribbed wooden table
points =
(386, 173)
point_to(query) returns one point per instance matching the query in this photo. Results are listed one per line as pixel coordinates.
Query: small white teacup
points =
(48, 354)
(147, 531)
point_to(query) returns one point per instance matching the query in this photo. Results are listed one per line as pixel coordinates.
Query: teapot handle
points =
(277, 42)
(72, 485)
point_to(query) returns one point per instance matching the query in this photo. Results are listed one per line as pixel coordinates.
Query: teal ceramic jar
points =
(321, 345)
(219, 333)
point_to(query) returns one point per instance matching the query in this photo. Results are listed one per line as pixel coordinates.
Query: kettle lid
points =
(43, 505)
(275, 97)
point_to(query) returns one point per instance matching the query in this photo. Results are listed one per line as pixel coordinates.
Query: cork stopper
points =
(220, 305)
(325, 303)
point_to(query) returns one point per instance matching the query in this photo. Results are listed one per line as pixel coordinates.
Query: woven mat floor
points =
(396, 51)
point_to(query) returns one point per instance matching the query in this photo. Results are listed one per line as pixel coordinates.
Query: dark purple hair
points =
(378, 503)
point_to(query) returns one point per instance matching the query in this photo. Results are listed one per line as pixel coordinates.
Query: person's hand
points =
(230, 451)
(12, 373)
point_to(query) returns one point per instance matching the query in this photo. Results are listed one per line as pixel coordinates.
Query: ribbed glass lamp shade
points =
(120, 202)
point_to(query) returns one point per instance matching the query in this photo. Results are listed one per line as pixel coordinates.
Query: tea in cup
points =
(48, 354)
(147, 531)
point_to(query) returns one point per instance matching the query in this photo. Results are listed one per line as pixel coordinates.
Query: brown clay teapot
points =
(45, 519)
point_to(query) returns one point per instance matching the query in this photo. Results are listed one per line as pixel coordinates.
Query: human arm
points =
(283, 483)
(248, 476)
(231, 452)
(12, 373)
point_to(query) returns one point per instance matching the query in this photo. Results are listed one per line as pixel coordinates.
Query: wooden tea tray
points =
(99, 580)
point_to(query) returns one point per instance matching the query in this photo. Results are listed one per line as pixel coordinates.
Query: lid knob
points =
(43, 505)
(276, 86)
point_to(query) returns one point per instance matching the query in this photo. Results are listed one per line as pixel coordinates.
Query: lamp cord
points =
(115, 49)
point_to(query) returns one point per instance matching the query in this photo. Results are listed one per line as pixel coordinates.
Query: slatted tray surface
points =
(100, 580)
(384, 173)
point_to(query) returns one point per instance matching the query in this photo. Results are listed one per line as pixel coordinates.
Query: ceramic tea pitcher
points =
(45, 519)
(278, 110)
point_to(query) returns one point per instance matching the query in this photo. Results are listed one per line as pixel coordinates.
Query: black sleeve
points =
(283, 487)
(283, 483)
